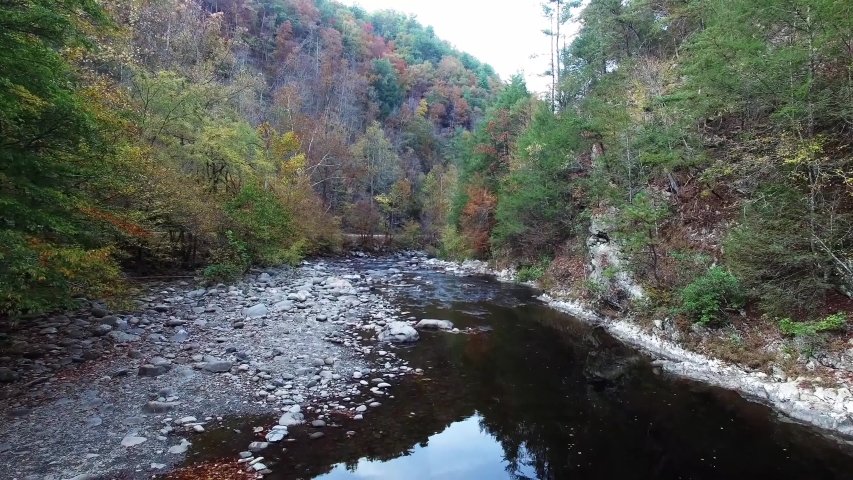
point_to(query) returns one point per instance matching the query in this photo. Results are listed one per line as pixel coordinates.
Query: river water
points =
(540, 395)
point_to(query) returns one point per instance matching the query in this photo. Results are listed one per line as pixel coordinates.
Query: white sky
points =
(503, 34)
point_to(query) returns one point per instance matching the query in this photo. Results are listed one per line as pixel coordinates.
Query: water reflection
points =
(458, 453)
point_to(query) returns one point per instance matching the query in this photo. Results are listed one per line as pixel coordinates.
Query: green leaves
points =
(706, 297)
(386, 85)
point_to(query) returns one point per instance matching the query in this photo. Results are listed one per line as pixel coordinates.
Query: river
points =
(537, 394)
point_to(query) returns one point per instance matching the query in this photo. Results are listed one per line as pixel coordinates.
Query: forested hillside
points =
(704, 146)
(169, 135)
(708, 140)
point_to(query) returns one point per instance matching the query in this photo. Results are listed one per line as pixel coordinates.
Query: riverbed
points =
(526, 392)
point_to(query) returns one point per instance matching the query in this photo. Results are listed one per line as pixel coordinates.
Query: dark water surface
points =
(541, 396)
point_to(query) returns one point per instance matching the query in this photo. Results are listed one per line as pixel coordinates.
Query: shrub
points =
(533, 272)
(453, 245)
(221, 272)
(706, 297)
(229, 261)
(802, 329)
(410, 237)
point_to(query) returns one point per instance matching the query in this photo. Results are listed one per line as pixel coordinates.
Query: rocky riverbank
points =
(821, 402)
(101, 394)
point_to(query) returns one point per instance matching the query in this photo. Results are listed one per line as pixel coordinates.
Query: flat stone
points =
(317, 435)
(159, 407)
(149, 370)
(94, 421)
(258, 310)
(132, 441)
(258, 446)
(431, 324)
(318, 424)
(180, 448)
(91, 403)
(130, 421)
(277, 434)
(20, 412)
(219, 366)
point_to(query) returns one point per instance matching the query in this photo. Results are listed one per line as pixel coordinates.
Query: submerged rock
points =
(398, 332)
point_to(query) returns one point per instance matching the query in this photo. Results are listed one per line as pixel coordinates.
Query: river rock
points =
(149, 370)
(277, 434)
(256, 447)
(431, 324)
(258, 310)
(132, 441)
(290, 419)
(159, 407)
(123, 337)
(180, 448)
(398, 332)
(219, 366)
(7, 375)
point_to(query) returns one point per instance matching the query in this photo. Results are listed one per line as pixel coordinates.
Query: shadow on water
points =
(539, 396)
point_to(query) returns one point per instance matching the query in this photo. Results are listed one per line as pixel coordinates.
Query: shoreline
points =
(828, 410)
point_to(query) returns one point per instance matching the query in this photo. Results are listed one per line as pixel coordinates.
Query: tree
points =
(386, 87)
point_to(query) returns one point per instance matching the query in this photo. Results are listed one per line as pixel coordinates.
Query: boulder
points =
(398, 332)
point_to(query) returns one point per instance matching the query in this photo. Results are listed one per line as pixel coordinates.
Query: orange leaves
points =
(123, 225)
(478, 218)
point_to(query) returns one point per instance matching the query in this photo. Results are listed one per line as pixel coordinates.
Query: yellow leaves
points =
(423, 108)
(286, 145)
(293, 167)
(28, 101)
(801, 152)
(282, 150)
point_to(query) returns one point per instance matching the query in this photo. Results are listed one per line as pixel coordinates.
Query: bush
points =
(410, 237)
(229, 261)
(706, 297)
(804, 329)
(453, 245)
(532, 272)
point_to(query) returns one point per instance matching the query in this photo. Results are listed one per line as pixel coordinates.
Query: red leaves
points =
(478, 218)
